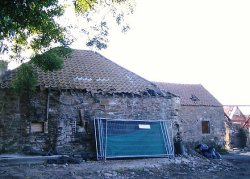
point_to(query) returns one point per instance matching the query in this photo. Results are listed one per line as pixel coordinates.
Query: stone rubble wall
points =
(16, 115)
(109, 106)
(10, 128)
(65, 132)
(190, 121)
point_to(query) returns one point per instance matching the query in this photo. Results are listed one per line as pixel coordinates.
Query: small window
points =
(205, 127)
(38, 127)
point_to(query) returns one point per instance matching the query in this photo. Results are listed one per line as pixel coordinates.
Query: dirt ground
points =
(234, 165)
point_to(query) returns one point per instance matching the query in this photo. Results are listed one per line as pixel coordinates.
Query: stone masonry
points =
(67, 117)
(190, 122)
(58, 117)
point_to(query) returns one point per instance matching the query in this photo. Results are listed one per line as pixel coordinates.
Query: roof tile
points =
(93, 72)
(190, 94)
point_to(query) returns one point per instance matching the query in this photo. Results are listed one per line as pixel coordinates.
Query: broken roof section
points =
(90, 71)
(231, 110)
(190, 94)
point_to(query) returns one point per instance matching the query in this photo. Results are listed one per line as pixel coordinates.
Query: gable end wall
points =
(190, 121)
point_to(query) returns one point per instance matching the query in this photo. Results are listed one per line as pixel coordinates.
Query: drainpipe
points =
(47, 113)
(47, 108)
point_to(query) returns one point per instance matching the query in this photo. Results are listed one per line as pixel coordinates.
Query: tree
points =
(30, 24)
(34, 24)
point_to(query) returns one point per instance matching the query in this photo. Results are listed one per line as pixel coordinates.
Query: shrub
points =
(25, 80)
(242, 136)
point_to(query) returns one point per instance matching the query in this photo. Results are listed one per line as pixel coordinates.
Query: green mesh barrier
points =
(133, 138)
(141, 142)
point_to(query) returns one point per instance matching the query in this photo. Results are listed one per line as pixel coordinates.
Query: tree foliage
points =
(52, 59)
(81, 6)
(25, 80)
(33, 24)
(99, 29)
(3, 65)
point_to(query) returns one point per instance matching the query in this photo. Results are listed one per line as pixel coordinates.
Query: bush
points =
(52, 59)
(242, 136)
(25, 80)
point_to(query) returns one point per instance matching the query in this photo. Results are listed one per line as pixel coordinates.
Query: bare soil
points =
(234, 165)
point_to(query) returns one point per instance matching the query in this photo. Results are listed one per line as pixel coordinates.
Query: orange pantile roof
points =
(190, 94)
(88, 70)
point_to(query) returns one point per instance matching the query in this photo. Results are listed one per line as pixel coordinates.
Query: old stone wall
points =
(16, 116)
(190, 123)
(66, 118)
(75, 108)
(10, 128)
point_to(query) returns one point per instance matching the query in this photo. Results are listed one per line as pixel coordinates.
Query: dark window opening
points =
(205, 127)
(194, 98)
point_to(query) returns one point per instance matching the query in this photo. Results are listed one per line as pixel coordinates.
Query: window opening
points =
(37, 127)
(194, 98)
(205, 127)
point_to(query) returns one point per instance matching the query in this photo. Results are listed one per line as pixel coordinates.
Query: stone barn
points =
(201, 116)
(58, 118)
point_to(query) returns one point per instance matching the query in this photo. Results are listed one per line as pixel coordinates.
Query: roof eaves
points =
(201, 105)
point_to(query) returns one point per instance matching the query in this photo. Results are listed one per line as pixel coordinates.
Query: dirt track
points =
(231, 166)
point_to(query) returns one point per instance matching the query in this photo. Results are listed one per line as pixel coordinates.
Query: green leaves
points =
(3, 65)
(52, 59)
(25, 80)
(37, 25)
(81, 6)
(31, 24)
